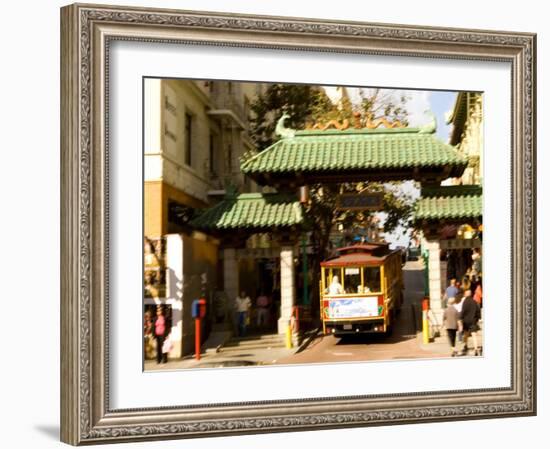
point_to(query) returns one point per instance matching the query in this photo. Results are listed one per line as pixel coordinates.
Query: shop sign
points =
(257, 253)
(360, 201)
(460, 244)
(353, 308)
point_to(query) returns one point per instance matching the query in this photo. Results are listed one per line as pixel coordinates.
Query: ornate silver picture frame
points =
(87, 32)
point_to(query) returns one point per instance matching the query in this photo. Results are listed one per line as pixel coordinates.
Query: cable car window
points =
(352, 280)
(334, 281)
(372, 279)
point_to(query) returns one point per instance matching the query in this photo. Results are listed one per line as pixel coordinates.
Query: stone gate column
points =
(288, 290)
(230, 275)
(435, 277)
(174, 290)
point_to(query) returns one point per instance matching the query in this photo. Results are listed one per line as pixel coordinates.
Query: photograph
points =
(299, 224)
(281, 224)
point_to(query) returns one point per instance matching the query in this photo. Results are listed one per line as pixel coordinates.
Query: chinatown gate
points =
(337, 153)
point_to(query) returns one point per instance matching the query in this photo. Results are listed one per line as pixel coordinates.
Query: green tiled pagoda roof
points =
(250, 211)
(453, 202)
(333, 150)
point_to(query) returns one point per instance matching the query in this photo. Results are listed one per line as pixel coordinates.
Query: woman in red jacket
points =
(160, 333)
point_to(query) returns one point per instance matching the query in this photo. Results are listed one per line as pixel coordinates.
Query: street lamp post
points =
(426, 259)
(305, 297)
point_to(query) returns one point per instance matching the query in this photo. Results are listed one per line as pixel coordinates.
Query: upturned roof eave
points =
(231, 214)
(331, 148)
(449, 208)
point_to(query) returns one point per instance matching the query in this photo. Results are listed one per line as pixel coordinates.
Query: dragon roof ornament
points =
(280, 130)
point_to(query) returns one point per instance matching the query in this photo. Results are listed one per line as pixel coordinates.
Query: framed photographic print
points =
(283, 224)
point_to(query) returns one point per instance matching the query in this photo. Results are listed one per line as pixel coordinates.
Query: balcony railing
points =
(226, 101)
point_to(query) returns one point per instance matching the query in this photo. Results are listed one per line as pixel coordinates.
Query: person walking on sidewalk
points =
(242, 309)
(450, 321)
(160, 333)
(468, 320)
(262, 310)
(478, 294)
(451, 291)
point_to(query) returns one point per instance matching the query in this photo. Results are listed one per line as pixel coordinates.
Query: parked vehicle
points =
(370, 293)
(403, 251)
(413, 253)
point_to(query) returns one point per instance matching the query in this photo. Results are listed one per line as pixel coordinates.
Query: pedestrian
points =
(166, 348)
(242, 310)
(459, 301)
(460, 290)
(451, 292)
(148, 336)
(466, 283)
(473, 283)
(468, 320)
(476, 262)
(478, 294)
(450, 321)
(262, 310)
(335, 288)
(160, 332)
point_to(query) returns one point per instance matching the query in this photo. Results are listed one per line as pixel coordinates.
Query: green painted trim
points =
(447, 191)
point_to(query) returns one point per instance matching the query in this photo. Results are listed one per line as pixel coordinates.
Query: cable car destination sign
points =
(360, 201)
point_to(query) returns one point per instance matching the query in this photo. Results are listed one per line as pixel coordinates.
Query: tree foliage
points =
(310, 104)
(307, 105)
(297, 100)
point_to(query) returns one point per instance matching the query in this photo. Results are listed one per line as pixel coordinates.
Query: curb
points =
(309, 336)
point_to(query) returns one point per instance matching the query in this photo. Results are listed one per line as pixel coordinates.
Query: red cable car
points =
(361, 289)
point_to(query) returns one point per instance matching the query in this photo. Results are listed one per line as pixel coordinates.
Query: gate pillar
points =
(288, 290)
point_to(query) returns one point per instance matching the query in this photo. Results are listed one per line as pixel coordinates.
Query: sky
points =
(440, 103)
(417, 105)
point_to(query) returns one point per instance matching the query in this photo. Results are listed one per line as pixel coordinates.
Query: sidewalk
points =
(440, 344)
(247, 355)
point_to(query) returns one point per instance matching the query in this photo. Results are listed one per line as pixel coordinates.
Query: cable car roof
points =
(369, 254)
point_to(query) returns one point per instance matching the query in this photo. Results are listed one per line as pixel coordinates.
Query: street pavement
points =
(404, 343)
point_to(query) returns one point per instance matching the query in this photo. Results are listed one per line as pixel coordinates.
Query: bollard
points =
(198, 311)
(425, 323)
(197, 338)
(288, 339)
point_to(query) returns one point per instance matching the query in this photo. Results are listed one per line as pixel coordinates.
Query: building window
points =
(169, 106)
(188, 138)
